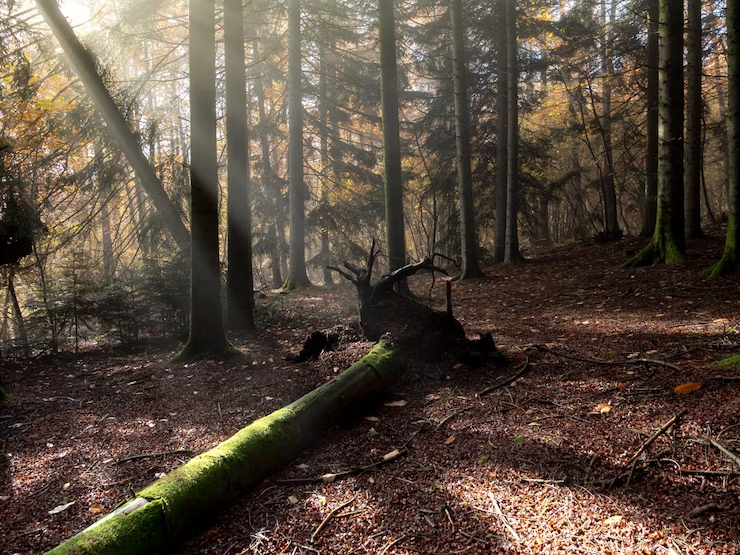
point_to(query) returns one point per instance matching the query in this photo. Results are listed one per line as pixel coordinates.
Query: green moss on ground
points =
(731, 361)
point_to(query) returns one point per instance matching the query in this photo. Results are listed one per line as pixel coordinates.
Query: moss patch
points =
(731, 361)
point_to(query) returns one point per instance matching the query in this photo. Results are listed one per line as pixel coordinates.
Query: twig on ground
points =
(710, 473)
(328, 518)
(391, 544)
(543, 481)
(388, 457)
(724, 450)
(609, 362)
(504, 520)
(633, 461)
(506, 382)
(152, 455)
(451, 416)
(422, 428)
(449, 517)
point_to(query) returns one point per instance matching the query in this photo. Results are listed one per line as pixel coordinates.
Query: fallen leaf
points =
(371, 480)
(60, 508)
(66, 486)
(293, 499)
(603, 408)
(685, 388)
(450, 439)
(401, 403)
(328, 478)
(372, 419)
(613, 520)
(96, 508)
(432, 397)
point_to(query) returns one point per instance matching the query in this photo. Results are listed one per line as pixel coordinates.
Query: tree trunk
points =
(327, 173)
(511, 253)
(611, 226)
(297, 276)
(502, 133)
(396, 240)
(272, 193)
(469, 243)
(207, 333)
(651, 160)
(730, 261)
(84, 64)
(165, 513)
(668, 244)
(692, 178)
(239, 280)
(21, 325)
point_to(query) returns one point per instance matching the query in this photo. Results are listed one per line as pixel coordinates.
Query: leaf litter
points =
(530, 469)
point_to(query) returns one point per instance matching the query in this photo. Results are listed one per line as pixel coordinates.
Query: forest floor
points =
(539, 466)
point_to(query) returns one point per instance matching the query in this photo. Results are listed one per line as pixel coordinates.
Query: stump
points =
(418, 330)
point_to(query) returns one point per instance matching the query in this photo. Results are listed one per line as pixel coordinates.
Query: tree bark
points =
(272, 192)
(651, 160)
(327, 164)
(668, 243)
(611, 226)
(207, 333)
(730, 261)
(396, 240)
(469, 243)
(502, 133)
(692, 177)
(165, 513)
(239, 279)
(511, 254)
(297, 276)
(84, 65)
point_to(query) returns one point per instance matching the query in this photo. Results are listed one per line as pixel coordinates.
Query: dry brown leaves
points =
(525, 469)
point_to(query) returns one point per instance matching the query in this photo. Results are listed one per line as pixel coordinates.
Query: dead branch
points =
(506, 382)
(152, 455)
(609, 362)
(388, 457)
(711, 473)
(451, 416)
(344, 274)
(633, 461)
(388, 280)
(724, 450)
(328, 518)
(504, 520)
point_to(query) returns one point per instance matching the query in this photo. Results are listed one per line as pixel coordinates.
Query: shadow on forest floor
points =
(523, 469)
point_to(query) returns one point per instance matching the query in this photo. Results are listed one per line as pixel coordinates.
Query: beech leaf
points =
(685, 388)
(401, 403)
(450, 440)
(613, 520)
(96, 508)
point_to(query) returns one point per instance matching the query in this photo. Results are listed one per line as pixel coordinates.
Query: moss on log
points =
(165, 513)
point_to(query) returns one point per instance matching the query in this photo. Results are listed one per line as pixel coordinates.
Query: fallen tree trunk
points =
(166, 512)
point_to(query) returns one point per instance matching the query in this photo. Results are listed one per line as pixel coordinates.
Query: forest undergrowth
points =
(580, 454)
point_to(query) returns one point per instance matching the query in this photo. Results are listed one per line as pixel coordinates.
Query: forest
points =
(337, 276)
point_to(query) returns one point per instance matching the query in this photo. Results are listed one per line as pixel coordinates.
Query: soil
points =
(543, 464)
